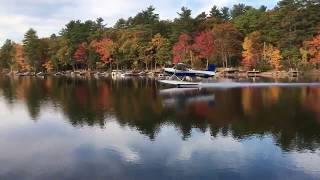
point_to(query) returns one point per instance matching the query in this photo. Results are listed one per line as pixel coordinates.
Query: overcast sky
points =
(49, 16)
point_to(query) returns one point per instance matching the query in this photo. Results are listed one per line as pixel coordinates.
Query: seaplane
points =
(180, 72)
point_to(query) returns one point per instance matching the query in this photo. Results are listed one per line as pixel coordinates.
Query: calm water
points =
(133, 129)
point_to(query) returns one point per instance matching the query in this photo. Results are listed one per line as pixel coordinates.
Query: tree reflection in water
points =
(290, 115)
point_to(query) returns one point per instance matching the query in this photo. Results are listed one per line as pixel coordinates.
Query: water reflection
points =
(132, 126)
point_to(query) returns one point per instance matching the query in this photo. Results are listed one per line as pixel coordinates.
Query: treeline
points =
(287, 36)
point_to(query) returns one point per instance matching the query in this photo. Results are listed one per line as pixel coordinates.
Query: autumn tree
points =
(105, 48)
(81, 53)
(129, 43)
(289, 26)
(44, 52)
(204, 46)
(74, 34)
(252, 50)
(313, 48)
(163, 53)
(159, 48)
(227, 43)
(20, 60)
(48, 66)
(273, 56)
(63, 55)
(247, 54)
(182, 50)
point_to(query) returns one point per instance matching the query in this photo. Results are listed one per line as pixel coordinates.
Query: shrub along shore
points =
(283, 39)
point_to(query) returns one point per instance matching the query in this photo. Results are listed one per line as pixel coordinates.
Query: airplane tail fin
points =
(211, 67)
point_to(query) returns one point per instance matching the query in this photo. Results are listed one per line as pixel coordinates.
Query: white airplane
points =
(181, 70)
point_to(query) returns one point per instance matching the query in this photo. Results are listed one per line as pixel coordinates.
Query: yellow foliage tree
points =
(160, 46)
(48, 66)
(274, 57)
(251, 50)
(247, 54)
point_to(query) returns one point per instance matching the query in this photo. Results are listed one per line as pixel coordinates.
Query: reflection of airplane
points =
(226, 85)
(181, 70)
(178, 96)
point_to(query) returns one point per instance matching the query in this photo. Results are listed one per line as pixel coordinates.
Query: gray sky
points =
(49, 16)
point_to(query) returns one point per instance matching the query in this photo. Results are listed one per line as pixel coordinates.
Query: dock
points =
(294, 73)
(253, 73)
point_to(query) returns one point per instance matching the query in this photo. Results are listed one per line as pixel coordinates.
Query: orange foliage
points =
(251, 50)
(104, 48)
(48, 66)
(157, 41)
(313, 48)
(22, 66)
(274, 57)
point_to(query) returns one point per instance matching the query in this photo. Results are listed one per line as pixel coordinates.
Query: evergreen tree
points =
(32, 49)
(7, 55)
(239, 10)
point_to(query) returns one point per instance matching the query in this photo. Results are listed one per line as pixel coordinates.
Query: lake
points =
(63, 128)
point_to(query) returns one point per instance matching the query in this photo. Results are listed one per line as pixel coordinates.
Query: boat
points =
(41, 74)
(99, 74)
(24, 74)
(181, 70)
(134, 73)
(116, 73)
(58, 74)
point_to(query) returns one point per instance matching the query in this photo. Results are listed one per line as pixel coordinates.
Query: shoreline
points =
(155, 73)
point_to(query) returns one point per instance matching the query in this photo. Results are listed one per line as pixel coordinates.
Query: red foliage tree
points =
(81, 53)
(105, 49)
(204, 46)
(181, 49)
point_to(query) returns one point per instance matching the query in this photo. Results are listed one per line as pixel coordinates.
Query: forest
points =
(285, 37)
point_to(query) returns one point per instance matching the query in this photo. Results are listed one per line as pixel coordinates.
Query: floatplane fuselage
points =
(181, 71)
(189, 72)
